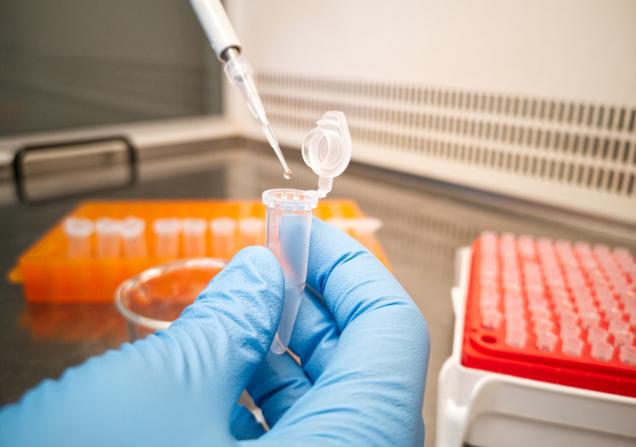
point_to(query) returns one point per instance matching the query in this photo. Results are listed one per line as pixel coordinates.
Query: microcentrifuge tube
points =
(108, 237)
(618, 325)
(632, 317)
(488, 300)
(288, 230)
(166, 231)
(543, 325)
(223, 237)
(516, 337)
(194, 243)
(514, 313)
(602, 350)
(572, 346)
(78, 233)
(596, 334)
(516, 323)
(133, 237)
(326, 149)
(546, 341)
(613, 312)
(491, 319)
(564, 308)
(569, 330)
(627, 355)
(539, 311)
(252, 231)
(589, 317)
(623, 338)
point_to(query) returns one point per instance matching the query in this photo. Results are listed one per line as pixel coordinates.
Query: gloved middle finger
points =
(277, 384)
(315, 335)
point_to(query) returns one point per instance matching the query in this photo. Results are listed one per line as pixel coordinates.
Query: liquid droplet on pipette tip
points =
(287, 174)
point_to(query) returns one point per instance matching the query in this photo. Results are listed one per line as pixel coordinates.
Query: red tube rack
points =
(552, 311)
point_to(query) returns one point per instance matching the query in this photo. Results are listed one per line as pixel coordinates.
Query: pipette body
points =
(227, 48)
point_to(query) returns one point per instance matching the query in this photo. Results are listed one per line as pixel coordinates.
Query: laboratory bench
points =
(424, 223)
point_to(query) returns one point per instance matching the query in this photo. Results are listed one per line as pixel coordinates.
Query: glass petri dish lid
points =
(152, 300)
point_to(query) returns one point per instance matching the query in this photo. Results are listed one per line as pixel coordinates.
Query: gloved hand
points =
(363, 346)
(362, 342)
(178, 387)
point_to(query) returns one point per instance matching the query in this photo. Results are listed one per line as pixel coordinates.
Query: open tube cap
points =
(327, 149)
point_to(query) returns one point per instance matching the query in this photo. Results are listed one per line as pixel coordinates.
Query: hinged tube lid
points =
(327, 149)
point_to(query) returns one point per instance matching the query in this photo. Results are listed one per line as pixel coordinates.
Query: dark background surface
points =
(73, 63)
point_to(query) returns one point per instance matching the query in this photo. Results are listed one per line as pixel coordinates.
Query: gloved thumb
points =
(233, 321)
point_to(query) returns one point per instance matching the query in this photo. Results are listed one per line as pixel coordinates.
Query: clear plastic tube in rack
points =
(288, 231)
(194, 244)
(222, 237)
(251, 231)
(133, 237)
(108, 237)
(78, 232)
(167, 232)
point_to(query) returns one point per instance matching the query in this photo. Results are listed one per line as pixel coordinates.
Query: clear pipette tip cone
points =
(271, 139)
(239, 73)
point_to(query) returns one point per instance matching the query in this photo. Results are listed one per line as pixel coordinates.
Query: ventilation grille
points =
(579, 146)
(421, 229)
(413, 225)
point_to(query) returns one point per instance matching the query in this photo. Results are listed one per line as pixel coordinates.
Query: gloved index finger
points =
(349, 278)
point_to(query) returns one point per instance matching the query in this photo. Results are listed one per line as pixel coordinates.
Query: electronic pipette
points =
(227, 47)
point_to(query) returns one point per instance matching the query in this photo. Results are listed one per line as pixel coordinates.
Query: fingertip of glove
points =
(250, 287)
(329, 235)
(251, 266)
(258, 255)
(262, 260)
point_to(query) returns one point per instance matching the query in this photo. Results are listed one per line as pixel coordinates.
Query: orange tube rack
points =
(49, 274)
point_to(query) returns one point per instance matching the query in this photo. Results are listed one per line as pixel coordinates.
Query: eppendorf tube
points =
(166, 232)
(108, 237)
(327, 151)
(133, 237)
(194, 230)
(78, 233)
(288, 232)
(222, 237)
(251, 231)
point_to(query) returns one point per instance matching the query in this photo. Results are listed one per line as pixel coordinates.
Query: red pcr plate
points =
(552, 311)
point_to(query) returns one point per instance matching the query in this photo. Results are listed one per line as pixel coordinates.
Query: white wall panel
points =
(535, 100)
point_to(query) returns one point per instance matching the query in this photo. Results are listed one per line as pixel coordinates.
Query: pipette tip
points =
(269, 134)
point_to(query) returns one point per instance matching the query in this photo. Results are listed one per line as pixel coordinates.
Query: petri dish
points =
(152, 300)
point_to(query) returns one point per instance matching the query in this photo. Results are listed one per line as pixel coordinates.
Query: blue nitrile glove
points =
(363, 347)
(178, 387)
